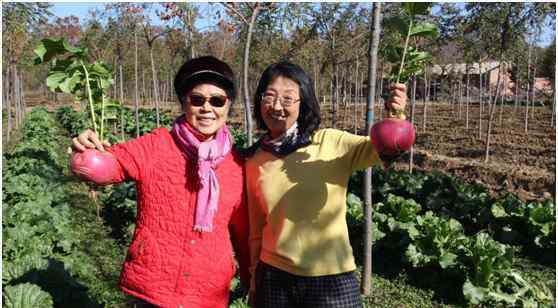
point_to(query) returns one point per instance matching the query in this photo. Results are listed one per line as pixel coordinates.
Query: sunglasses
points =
(215, 100)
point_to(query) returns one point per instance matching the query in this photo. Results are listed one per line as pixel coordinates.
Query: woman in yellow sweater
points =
(297, 177)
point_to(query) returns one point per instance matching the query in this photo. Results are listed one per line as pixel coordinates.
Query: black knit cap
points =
(205, 69)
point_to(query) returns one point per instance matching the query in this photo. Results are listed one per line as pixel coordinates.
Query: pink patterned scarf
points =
(208, 155)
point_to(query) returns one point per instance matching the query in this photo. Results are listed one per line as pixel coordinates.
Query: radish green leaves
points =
(409, 60)
(70, 72)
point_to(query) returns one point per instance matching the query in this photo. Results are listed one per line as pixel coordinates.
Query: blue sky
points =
(78, 9)
(81, 9)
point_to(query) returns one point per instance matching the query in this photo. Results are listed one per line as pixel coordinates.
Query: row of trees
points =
(330, 40)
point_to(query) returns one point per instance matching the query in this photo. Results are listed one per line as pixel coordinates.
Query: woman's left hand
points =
(397, 100)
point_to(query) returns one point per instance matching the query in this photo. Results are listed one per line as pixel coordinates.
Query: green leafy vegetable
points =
(408, 60)
(26, 295)
(71, 73)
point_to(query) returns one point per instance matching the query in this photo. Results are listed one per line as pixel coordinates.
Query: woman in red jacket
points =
(190, 196)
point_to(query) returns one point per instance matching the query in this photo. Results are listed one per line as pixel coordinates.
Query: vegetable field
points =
(475, 247)
(467, 218)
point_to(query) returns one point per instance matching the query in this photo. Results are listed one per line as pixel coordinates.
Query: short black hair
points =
(309, 114)
(206, 69)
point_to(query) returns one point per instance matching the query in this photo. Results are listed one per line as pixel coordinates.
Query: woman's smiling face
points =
(207, 119)
(276, 115)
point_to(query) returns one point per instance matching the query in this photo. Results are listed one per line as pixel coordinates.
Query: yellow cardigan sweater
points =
(297, 204)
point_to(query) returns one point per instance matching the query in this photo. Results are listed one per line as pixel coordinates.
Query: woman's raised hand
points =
(88, 139)
(397, 100)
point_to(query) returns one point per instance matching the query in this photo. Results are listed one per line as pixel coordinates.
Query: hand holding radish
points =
(393, 135)
(88, 139)
(397, 101)
(89, 163)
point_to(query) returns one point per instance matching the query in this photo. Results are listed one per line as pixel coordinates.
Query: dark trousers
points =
(140, 303)
(278, 289)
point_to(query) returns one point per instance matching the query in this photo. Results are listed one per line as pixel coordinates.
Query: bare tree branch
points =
(230, 6)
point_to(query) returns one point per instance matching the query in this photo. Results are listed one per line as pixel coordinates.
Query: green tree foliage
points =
(497, 25)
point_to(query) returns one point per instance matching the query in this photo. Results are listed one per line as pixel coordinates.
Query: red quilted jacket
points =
(168, 264)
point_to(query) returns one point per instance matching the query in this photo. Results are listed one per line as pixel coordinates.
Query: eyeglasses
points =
(214, 100)
(270, 99)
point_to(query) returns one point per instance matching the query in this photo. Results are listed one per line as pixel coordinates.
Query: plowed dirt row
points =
(518, 162)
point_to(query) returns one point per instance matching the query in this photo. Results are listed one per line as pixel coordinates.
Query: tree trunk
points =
(436, 84)
(344, 99)
(9, 100)
(22, 96)
(381, 92)
(366, 282)
(413, 101)
(122, 124)
(16, 97)
(455, 99)
(552, 120)
(115, 83)
(245, 60)
(450, 98)
(480, 98)
(528, 88)
(222, 55)
(424, 99)
(316, 78)
(192, 51)
(336, 97)
(20, 99)
(356, 99)
(136, 82)
(459, 98)
(331, 91)
(163, 90)
(492, 108)
(501, 104)
(143, 94)
(526, 121)
(517, 93)
(155, 93)
(533, 90)
(467, 99)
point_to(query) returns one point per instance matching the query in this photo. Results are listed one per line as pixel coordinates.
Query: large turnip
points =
(392, 136)
(95, 166)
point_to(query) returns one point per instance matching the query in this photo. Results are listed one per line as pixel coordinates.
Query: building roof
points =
(461, 68)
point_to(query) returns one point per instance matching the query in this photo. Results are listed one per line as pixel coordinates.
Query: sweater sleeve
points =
(133, 156)
(358, 151)
(239, 229)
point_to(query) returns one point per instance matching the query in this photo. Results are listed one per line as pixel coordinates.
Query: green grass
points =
(398, 292)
